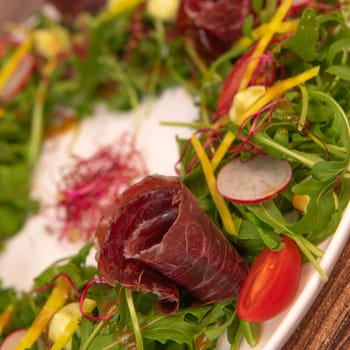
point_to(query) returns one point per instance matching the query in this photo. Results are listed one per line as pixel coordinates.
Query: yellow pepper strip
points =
(211, 181)
(5, 317)
(278, 89)
(56, 300)
(222, 149)
(116, 7)
(73, 325)
(13, 62)
(258, 32)
(265, 40)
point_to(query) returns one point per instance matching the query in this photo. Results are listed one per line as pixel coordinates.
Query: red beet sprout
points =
(212, 136)
(51, 284)
(42, 288)
(70, 280)
(90, 185)
(259, 121)
(82, 298)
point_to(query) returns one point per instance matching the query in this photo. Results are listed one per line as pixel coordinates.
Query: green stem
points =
(92, 336)
(155, 73)
(249, 332)
(120, 75)
(181, 124)
(308, 160)
(311, 247)
(134, 320)
(304, 107)
(237, 339)
(227, 56)
(197, 60)
(37, 127)
(308, 254)
(343, 60)
(333, 149)
(182, 81)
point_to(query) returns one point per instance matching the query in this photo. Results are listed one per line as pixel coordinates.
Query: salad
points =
(263, 179)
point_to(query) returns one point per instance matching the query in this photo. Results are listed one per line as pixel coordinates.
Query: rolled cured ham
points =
(213, 25)
(156, 238)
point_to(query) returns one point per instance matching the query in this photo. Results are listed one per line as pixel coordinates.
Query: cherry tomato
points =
(271, 284)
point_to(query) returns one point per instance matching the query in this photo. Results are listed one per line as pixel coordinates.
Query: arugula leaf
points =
(15, 201)
(319, 209)
(103, 339)
(269, 213)
(218, 320)
(340, 200)
(73, 266)
(325, 171)
(304, 42)
(339, 46)
(12, 218)
(341, 71)
(180, 328)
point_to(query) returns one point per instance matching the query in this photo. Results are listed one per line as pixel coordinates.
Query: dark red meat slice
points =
(156, 238)
(213, 24)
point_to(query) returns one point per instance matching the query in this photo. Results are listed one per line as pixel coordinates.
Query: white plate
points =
(28, 253)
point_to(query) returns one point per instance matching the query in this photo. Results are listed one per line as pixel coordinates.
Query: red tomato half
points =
(271, 284)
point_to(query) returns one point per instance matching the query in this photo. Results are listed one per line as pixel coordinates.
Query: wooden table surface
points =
(327, 324)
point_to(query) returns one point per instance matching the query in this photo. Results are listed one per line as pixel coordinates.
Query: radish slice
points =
(18, 78)
(255, 180)
(13, 339)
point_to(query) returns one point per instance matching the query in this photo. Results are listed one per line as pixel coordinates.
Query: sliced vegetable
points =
(264, 41)
(56, 300)
(258, 32)
(244, 99)
(255, 180)
(231, 85)
(278, 89)
(13, 339)
(5, 317)
(211, 181)
(272, 283)
(66, 322)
